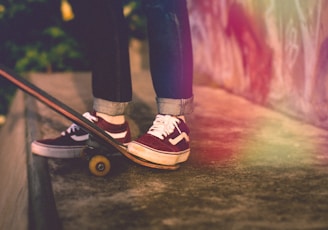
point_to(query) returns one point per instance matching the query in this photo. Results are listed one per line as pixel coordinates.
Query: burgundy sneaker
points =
(71, 142)
(166, 142)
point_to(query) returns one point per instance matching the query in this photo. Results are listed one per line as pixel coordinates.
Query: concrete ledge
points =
(42, 207)
(13, 170)
(26, 198)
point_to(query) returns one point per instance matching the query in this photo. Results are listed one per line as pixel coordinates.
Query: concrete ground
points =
(250, 168)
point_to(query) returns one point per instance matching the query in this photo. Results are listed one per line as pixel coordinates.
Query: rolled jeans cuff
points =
(109, 107)
(175, 107)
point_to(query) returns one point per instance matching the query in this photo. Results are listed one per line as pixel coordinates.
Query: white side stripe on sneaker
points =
(117, 135)
(179, 138)
(86, 136)
(80, 138)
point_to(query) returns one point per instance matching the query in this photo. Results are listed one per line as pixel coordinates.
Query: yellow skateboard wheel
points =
(99, 165)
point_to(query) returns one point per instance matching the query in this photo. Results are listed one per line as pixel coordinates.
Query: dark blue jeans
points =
(171, 65)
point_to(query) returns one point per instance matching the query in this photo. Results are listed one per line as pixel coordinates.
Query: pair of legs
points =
(105, 35)
(170, 55)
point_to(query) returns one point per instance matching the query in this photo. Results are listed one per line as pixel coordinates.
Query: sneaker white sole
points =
(156, 156)
(56, 152)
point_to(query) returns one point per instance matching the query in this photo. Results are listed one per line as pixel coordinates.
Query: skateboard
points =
(101, 145)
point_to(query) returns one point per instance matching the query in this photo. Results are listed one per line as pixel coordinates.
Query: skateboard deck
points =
(99, 164)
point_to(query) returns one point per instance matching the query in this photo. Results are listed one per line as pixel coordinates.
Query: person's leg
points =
(108, 40)
(167, 141)
(103, 31)
(170, 53)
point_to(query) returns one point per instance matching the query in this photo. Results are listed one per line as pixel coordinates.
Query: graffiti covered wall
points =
(273, 52)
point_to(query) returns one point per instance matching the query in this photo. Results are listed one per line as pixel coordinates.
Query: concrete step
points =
(26, 195)
(13, 168)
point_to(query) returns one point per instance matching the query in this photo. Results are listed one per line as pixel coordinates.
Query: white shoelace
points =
(163, 126)
(74, 127)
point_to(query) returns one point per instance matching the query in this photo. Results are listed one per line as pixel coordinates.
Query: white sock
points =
(115, 120)
(182, 118)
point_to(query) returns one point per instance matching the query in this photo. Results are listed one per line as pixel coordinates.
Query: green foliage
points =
(33, 37)
(27, 42)
(136, 18)
(6, 94)
(57, 54)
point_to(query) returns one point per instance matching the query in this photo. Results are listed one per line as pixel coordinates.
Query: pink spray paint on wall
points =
(273, 52)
